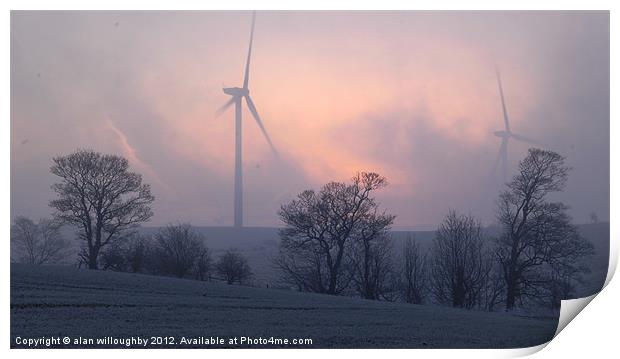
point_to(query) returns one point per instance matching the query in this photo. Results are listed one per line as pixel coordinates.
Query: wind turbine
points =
(506, 134)
(237, 94)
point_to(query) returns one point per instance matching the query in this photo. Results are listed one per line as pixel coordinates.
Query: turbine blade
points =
(222, 109)
(525, 139)
(260, 123)
(246, 77)
(501, 94)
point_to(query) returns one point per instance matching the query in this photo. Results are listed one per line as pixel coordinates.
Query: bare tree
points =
(38, 243)
(233, 267)
(136, 252)
(494, 287)
(536, 233)
(112, 257)
(203, 264)
(319, 229)
(413, 272)
(99, 196)
(560, 284)
(303, 268)
(459, 268)
(372, 264)
(178, 247)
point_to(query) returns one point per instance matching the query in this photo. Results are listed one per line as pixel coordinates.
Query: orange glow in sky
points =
(411, 95)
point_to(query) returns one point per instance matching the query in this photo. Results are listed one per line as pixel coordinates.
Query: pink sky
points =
(411, 95)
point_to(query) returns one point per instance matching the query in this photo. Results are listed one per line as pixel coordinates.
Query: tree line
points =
(176, 250)
(337, 241)
(105, 202)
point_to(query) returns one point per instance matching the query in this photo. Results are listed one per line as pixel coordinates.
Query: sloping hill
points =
(64, 301)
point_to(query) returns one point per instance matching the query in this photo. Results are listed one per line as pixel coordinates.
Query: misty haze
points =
(302, 179)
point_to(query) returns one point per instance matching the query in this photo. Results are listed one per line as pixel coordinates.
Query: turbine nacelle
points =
(502, 134)
(236, 91)
(506, 134)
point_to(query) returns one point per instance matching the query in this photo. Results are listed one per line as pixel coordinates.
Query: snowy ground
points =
(63, 301)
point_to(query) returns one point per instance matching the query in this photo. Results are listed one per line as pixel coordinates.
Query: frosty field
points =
(49, 301)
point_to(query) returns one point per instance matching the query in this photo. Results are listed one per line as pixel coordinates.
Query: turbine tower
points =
(506, 135)
(237, 94)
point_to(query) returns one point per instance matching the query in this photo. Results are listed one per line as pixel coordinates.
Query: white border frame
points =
(595, 325)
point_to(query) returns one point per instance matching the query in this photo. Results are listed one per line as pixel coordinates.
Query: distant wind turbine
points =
(237, 94)
(505, 135)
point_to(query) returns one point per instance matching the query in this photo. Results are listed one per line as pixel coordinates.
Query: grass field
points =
(49, 301)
